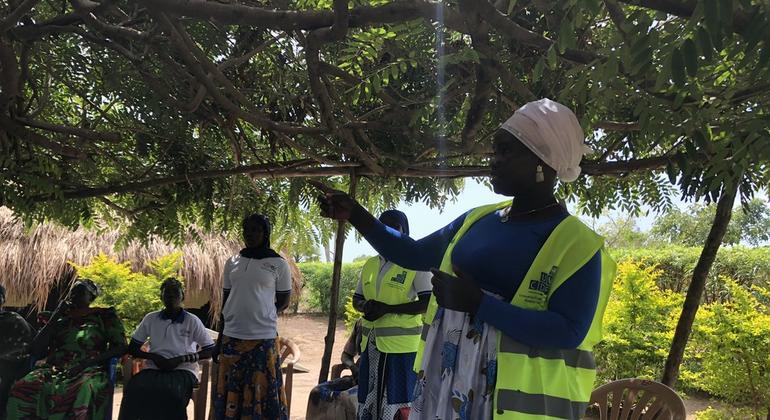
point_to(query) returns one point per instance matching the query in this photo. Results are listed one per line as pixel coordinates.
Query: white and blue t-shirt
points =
(250, 312)
(173, 337)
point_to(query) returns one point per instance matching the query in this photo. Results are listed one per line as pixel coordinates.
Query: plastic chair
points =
(290, 354)
(638, 399)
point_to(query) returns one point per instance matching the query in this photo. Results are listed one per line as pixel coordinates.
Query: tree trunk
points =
(327, 253)
(698, 283)
(332, 326)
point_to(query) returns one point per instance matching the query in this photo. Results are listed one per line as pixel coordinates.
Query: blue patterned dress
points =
(444, 393)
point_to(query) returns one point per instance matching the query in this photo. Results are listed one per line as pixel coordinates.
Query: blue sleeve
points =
(566, 322)
(420, 255)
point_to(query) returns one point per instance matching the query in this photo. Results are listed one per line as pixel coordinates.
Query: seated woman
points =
(14, 349)
(337, 399)
(163, 389)
(77, 344)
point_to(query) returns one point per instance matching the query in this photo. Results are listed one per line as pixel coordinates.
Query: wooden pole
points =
(335, 292)
(698, 284)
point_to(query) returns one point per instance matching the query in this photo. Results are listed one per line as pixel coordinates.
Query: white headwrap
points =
(552, 132)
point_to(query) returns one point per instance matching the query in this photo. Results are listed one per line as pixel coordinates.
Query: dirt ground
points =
(308, 332)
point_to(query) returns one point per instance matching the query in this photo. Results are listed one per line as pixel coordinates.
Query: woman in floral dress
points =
(77, 343)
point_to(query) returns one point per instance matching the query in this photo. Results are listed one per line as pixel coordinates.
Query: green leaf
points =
(566, 36)
(700, 140)
(764, 56)
(704, 40)
(612, 68)
(552, 57)
(711, 12)
(677, 68)
(690, 57)
(537, 72)
(671, 172)
(679, 100)
(754, 31)
(511, 5)
(664, 75)
(716, 40)
(726, 13)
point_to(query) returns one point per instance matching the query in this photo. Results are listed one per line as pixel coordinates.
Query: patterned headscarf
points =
(552, 132)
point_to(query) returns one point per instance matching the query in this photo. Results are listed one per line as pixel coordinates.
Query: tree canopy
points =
(174, 113)
(750, 225)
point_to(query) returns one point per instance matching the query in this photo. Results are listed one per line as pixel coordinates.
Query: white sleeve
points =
(142, 332)
(226, 284)
(200, 335)
(422, 282)
(283, 277)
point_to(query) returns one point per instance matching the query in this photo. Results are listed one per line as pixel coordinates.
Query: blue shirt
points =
(497, 256)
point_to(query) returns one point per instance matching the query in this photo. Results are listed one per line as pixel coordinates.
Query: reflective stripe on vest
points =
(572, 357)
(395, 333)
(543, 384)
(538, 405)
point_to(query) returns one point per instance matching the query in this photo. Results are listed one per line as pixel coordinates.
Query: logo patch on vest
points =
(543, 285)
(399, 278)
(536, 295)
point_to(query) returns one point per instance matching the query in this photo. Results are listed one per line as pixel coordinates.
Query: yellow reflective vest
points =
(395, 333)
(535, 383)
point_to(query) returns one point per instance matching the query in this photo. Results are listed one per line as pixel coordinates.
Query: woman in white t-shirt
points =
(257, 285)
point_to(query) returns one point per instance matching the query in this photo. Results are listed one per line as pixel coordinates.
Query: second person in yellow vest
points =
(392, 300)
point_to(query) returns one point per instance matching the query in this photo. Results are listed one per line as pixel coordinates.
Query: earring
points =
(539, 177)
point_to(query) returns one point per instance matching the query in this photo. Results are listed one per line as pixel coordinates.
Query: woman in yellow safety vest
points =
(392, 300)
(521, 287)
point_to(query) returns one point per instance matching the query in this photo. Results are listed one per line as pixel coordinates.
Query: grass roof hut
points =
(35, 269)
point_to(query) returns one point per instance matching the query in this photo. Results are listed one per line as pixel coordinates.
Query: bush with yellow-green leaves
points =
(729, 352)
(132, 294)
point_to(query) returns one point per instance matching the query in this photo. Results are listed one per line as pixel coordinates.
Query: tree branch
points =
(111, 137)
(199, 65)
(617, 126)
(485, 75)
(16, 14)
(685, 9)
(9, 76)
(290, 20)
(307, 168)
(510, 29)
(338, 29)
(30, 136)
(321, 94)
(85, 9)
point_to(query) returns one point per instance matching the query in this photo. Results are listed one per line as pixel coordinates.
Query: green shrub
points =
(132, 294)
(318, 280)
(725, 413)
(747, 266)
(638, 325)
(730, 349)
(351, 314)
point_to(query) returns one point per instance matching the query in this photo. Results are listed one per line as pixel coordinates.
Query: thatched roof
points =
(33, 261)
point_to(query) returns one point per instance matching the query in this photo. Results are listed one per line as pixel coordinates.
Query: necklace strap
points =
(507, 211)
